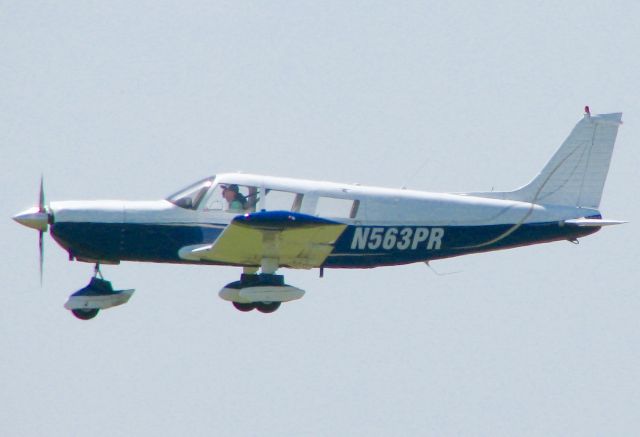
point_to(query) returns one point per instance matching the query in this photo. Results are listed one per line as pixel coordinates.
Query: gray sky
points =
(134, 101)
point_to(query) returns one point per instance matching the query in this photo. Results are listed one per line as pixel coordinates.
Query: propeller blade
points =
(41, 244)
(41, 206)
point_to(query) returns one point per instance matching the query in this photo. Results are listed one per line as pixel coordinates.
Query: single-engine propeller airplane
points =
(263, 223)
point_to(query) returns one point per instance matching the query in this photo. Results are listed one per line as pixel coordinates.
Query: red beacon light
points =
(587, 111)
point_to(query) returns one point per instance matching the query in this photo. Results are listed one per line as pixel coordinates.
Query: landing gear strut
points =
(87, 302)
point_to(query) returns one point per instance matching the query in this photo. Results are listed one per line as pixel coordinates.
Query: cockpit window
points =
(232, 198)
(190, 197)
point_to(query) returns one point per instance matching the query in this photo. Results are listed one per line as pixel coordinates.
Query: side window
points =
(334, 207)
(232, 198)
(282, 200)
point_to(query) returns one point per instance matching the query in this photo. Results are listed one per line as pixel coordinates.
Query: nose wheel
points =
(85, 314)
(98, 295)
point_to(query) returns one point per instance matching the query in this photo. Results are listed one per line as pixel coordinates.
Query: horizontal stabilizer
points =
(592, 223)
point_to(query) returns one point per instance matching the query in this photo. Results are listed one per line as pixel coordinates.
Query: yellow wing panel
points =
(299, 247)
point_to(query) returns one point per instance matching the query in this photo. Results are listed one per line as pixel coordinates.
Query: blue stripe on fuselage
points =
(358, 246)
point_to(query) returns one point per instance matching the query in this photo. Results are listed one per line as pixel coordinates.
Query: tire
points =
(267, 307)
(85, 314)
(244, 307)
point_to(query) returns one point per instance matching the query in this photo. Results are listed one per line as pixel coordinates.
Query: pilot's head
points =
(230, 192)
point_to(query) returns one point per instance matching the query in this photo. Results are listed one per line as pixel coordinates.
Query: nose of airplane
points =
(33, 218)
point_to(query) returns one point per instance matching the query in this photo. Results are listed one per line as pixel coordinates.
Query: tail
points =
(575, 175)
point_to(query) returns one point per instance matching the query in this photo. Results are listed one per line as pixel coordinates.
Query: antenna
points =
(438, 273)
(415, 172)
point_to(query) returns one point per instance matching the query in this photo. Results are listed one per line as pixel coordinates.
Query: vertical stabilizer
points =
(575, 175)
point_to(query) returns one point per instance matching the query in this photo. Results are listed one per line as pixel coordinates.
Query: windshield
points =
(190, 197)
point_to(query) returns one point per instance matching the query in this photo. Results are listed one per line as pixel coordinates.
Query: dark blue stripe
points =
(130, 242)
(160, 243)
(456, 241)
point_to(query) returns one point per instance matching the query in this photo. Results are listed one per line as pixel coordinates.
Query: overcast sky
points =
(134, 100)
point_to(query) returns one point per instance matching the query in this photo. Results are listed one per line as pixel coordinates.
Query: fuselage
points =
(383, 226)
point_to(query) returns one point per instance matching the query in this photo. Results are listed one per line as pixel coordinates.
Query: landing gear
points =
(98, 295)
(264, 292)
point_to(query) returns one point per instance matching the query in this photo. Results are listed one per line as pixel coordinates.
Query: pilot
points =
(237, 202)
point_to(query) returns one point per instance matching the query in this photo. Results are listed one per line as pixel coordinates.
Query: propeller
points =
(37, 218)
(42, 209)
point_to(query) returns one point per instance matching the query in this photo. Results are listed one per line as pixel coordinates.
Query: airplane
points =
(265, 223)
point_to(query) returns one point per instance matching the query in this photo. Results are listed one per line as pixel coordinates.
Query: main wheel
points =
(85, 314)
(267, 307)
(244, 307)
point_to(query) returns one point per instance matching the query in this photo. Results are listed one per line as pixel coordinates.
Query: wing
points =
(293, 239)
